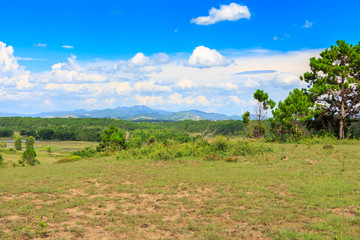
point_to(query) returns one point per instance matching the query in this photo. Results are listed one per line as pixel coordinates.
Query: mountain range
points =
(134, 113)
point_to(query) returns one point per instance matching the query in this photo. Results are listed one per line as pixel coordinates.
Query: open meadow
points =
(294, 191)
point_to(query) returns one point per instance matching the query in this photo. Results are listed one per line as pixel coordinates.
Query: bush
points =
(328, 147)
(1, 159)
(244, 148)
(85, 153)
(160, 154)
(220, 144)
(18, 142)
(69, 159)
(28, 158)
(232, 159)
(212, 157)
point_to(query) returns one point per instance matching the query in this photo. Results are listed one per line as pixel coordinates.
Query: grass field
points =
(295, 192)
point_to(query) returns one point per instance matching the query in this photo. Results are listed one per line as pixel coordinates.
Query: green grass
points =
(298, 191)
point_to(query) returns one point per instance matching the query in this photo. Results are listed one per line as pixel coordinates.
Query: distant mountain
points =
(131, 113)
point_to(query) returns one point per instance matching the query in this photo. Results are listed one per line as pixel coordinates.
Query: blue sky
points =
(172, 55)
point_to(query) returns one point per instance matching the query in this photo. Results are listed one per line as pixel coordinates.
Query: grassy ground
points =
(296, 192)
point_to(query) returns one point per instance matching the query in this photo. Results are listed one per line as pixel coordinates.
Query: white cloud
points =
(185, 83)
(275, 38)
(139, 60)
(40, 45)
(150, 86)
(307, 24)
(150, 100)
(11, 74)
(68, 46)
(178, 99)
(205, 57)
(231, 12)
(238, 101)
(228, 86)
(156, 80)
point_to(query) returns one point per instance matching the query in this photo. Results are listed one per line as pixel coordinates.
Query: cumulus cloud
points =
(237, 101)
(11, 74)
(150, 100)
(206, 80)
(206, 57)
(185, 83)
(231, 12)
(139, 60)
(178, 99)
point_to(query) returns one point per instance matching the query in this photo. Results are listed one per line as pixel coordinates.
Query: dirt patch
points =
(349, 212)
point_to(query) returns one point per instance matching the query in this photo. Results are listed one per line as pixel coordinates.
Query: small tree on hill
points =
(18, 142)
(334, 82)
(263, 104)
(29, 154)
(112, 140)
(295, 109)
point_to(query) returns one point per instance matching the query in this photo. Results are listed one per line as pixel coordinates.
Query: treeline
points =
(90, 129)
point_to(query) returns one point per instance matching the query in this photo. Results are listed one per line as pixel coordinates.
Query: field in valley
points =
(297, 191)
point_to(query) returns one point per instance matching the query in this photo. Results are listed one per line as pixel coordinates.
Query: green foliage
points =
(69, 159)
(1, 159)
(334, 83)
(85, 153)
(295, 109)
(6, 132)
(220, 144)
(18, 142)
(112, 140)
(246, 117)
(28, 157)
(48, 149)
(264, 103)
(29, 143)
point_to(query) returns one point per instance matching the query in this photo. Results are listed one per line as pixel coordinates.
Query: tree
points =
(18, 141)
(112, 140)
(263, 104)
(334, 82)
(295, 109)
(29, 154)
(246, 117)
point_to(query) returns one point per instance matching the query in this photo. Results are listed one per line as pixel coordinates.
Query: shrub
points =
(212, 157)
(243, 148)
(48, 149)
(1, 159)
(328, 147)
(28, 158)
(160, 154)
(232, 159)
(29, 154)
(69, 159)
(220, 144)
(85, 153)
(18, 142)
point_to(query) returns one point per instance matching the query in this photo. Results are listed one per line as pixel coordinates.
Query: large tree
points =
(334, 82)
(295, 109)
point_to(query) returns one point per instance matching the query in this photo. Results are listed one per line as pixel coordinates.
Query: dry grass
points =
(296, 192)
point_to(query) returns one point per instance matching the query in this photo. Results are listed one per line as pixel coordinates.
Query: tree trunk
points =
(342, 129)
(342, 117)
